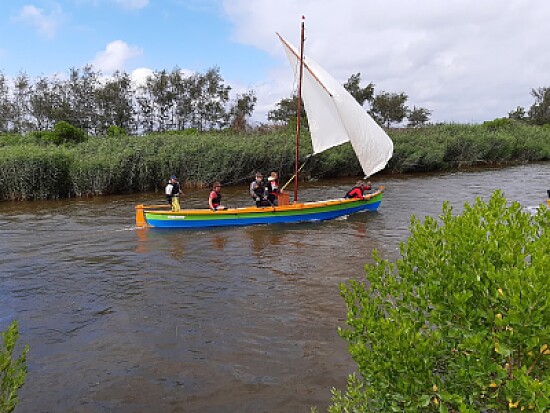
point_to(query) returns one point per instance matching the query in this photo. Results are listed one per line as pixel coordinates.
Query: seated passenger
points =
(273, 188)
(356, 191)
(215, 197)
(259, 191)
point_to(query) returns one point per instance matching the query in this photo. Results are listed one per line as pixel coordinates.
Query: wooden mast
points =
(298, 120)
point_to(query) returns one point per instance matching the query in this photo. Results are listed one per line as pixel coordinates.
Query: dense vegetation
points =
(64, 163)
(12, 371)
(460, 323)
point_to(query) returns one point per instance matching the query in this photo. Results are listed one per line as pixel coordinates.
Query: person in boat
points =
(259, 191)
(273, 188)
(358, 191)
(173, 192)
(215, 197)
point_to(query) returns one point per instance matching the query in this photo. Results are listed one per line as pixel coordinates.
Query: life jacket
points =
(273, 188)
(355, 192)
(175, 189)
(216, 198)
(259, 189)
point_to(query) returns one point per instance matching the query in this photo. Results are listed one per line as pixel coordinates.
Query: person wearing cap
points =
(259, 191)
(173, 191)
(215, 197)
(358, 190)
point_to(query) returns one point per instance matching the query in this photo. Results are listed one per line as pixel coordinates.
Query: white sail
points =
(335, 117)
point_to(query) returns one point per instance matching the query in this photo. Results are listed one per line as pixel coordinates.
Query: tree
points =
(361, 95)
(461, 322)
(287, 109)
(114, 103)
(418, 117)
(243, 108)
(518, 114)
(12, 372)
(5, 105)
(388, 108)
(211, 100)
(41, 104)
(21, 103)
(540, 110)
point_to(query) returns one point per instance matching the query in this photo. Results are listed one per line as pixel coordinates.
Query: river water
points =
(120, 319)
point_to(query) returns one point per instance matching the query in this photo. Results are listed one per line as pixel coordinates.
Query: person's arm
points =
(252, 189)
(210, 202)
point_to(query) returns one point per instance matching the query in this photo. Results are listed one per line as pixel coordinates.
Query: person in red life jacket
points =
(215, 198)
(358, 190)
(273, 188)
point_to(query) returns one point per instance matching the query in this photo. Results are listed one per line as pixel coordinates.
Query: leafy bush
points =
(12, 372)
(114, 130)
(64, 133)
(460, 323)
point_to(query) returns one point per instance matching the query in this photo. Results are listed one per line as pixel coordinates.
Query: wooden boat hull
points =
(155, 216)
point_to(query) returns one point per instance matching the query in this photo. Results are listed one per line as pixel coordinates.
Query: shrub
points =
(461, 322)
(64, 132)
(12, 372)
(114, 130)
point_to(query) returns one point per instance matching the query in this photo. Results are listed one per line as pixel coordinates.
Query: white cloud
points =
(45, 23)
(115, 56)
(466, 60)
(132, 4)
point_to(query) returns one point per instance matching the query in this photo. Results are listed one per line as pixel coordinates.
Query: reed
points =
(32, 169)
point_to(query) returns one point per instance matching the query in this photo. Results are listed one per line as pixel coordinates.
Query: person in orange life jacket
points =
(358, 190)
(215, 197)
(273, 188)
(259, 191)
(173, 192)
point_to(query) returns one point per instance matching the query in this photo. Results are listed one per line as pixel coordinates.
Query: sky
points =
(466, 61)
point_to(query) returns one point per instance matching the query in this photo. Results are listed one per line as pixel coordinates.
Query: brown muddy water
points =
(224, 320)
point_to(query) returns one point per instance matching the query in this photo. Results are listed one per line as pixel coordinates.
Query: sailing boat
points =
(334, 117)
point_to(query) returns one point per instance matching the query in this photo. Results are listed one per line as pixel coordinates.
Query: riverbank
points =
(33, 169)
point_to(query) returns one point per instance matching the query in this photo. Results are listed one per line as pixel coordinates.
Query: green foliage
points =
(30, 168)
(12, 372)
(361, 94)
(498, 123)
(64, 133)
(539, 112)
(35, 172)
(418, 117)
(461, 322)
(453, 146)
(114, 130)
(388, 108)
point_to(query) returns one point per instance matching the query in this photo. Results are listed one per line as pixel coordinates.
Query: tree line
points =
(174, 101)
(386, 108)
(167, 101)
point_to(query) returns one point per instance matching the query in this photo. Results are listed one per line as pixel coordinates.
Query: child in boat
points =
(215, 197)
(259, 191)
(173, 191)
(273, 188)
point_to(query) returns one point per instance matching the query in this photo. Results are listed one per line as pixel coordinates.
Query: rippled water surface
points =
(120, 319)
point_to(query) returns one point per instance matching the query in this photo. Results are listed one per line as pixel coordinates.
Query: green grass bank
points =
(32, 168)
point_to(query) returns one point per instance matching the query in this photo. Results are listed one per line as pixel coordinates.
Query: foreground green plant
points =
(461, 322)
(12, 372)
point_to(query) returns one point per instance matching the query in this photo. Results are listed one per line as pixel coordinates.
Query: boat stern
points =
(140, 216)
